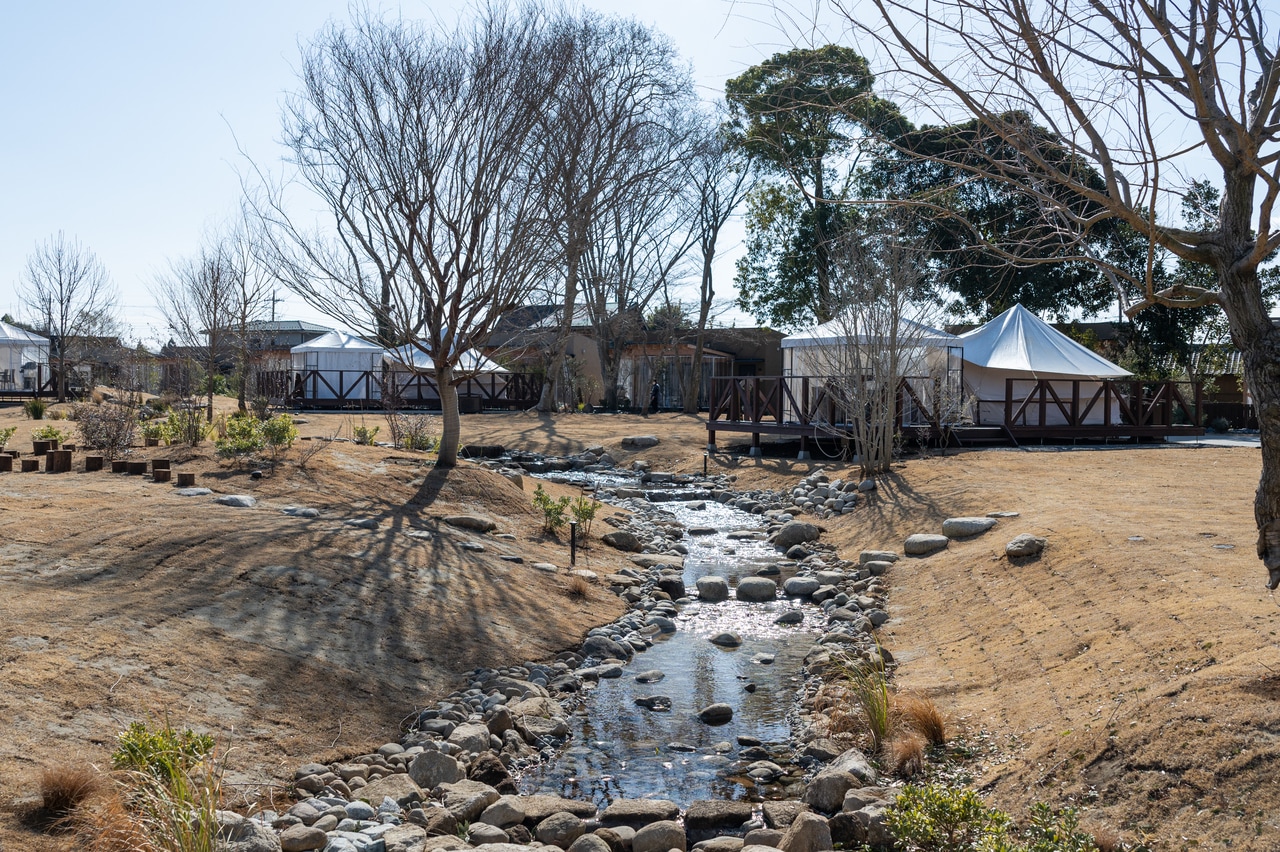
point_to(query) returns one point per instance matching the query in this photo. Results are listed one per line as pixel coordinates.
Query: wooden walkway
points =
(805, 407)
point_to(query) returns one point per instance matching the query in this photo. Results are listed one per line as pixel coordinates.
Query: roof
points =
(470, 361)
(1019, 341)
(285, 326)
(11, 334)
(835, 332)
(337, 341)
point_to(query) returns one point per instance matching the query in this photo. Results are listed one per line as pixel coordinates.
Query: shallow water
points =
(621, 750)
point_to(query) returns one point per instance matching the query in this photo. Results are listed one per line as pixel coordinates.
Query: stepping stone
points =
(922, 544)
(966, 527)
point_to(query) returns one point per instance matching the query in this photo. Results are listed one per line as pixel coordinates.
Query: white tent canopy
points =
(470, 362)
(1019, 345)
(19, 347)
(337, 365)
(835, 332)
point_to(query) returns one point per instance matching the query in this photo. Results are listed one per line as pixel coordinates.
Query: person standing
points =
(654, 393)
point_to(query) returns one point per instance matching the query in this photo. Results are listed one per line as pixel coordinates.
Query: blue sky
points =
(124, 117)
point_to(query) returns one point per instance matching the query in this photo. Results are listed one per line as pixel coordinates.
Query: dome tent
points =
(19, 348)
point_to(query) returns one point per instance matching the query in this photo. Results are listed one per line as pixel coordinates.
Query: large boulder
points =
(540, 806)
(638, 813)
(757, 589)
(639, 442)
(302, 838)
(1025, 545)
(809, 833)
(398, 786)
(660, 837)
(504, 813)
(796, 532)
(466, 800)
(716, 714)
(801, 587)
(716, 815)
(604, 648)
(239, 834)
(560, 829)
(712, 588)
(966, 527)
(877, 556)
(922, 544)
(472, 737)
(623, 540)
(432, 768)
(478, 523)
(489, 769)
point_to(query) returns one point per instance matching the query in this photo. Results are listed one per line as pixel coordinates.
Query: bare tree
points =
(71, 299)
(423, 146)
(881, 337)
(250, 294)
(1144, 94)
(621, 78)
(197, 297)
(719, 177)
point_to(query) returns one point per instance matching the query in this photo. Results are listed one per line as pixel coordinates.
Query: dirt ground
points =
(1132, 670)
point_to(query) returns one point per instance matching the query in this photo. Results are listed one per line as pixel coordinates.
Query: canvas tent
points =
(337, 366)
(414, 374)
(1019, 345)
(22, 354)
(470, 363)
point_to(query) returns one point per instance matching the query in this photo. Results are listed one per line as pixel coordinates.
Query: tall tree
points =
(425, 147)
(719, 177)
(71, 300)
(801, 116)
(1137, 90)
(622, 82)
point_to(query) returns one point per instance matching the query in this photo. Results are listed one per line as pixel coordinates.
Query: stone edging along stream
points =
(448, 783)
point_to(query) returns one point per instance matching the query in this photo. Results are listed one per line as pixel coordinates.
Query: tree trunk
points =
(450, 421)
(62, 371)
(208, 382)
(695, 373)
(551, 386)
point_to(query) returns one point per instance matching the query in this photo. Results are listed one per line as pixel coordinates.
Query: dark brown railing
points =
(367, 388)
(1044, 404)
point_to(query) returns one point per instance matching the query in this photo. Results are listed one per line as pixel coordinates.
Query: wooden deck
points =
(1063, 410)
(366, 389)
(46, 388)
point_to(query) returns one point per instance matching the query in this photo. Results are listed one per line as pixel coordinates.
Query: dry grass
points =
(64, 788)
(835, 702)
(105, 824)
(578, 587)
(922, 716)
(905, 753)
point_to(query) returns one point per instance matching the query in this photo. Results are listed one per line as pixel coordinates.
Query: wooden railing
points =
(804, 402)
(368, 388)
(1075, 404)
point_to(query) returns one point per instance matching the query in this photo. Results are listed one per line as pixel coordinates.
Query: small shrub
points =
(1221, 425)
(241, 436)
(922, 716)
(162, 752)
(57, 414)
(936, 818)
(65, 788)
(278, 433)
(584, 511)
(364, 434)
(869, 686)
(5, 434)
(155, 430)
(34, 408)
(108, 428)
(186, 426)
(1055, 831)
(49, 433)
(416, 433)
(261, 407)
(553, 509)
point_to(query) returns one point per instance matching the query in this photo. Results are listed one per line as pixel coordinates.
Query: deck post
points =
(756, 452)
(803, 455)
(1008, 402)
(1075, 402)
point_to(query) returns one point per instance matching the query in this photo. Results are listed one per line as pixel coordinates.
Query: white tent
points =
(18, 348)
(470, 363)
(338, 365)
(1019, 345)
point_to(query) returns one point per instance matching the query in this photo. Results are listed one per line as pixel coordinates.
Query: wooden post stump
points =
(6, 464)
(159, 464)
(57, 461)
(30, 465)
(186, 480)
(160, 474)
(40, 448)
(92, 463)
(138, 468)
(119, 466)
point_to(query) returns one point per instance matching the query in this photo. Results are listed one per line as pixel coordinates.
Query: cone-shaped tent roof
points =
(337, 341)
(12, 335)
(836, 331)
(470, 361)
(1019, 341)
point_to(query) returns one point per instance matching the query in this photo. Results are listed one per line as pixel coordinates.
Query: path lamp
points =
(573, 543)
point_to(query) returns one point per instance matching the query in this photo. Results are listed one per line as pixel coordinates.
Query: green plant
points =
(155, 430)
(553, 509)
(241, 436)
(936, 818)
(49, 433)
(364, 434)
(186, 426)
(57, 414)
(1220, 425)
(278, 433)
(163, 751)
(1055, 831)
(5, 434)
(34, 408)
(869, 686)
(416, 433)
(584, 511)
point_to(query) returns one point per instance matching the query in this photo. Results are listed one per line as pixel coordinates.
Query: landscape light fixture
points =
(573, 543)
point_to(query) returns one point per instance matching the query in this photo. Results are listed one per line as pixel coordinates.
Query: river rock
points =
(966, 527)
(640, 442)
(716, 815)
(604, 648)
(712, 588)
(489, 769)
(757, 589)
(623, 540)
(432, 768)
(650, 676)
(193, 492)
(809, 833)
(590, 843)
(238, 501)
(673, 585)
(239, 834)
(718, 714)
(726, 639)
(656, 703)
(922, 544)
(540, 806)
(796, 532)
(637, 813)
(758, 837)
(1025, 545)
(781, 813)
(877, 556)
(560, 829)
(302, 838)
(872, 825)
(504, 813)
(470, 737)
(719, 844)
(801, 587)
(791, 616)
(877, 567)
(479, 523)
(660, 837)
(398, 786)
(466, 800)
(483, 834)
